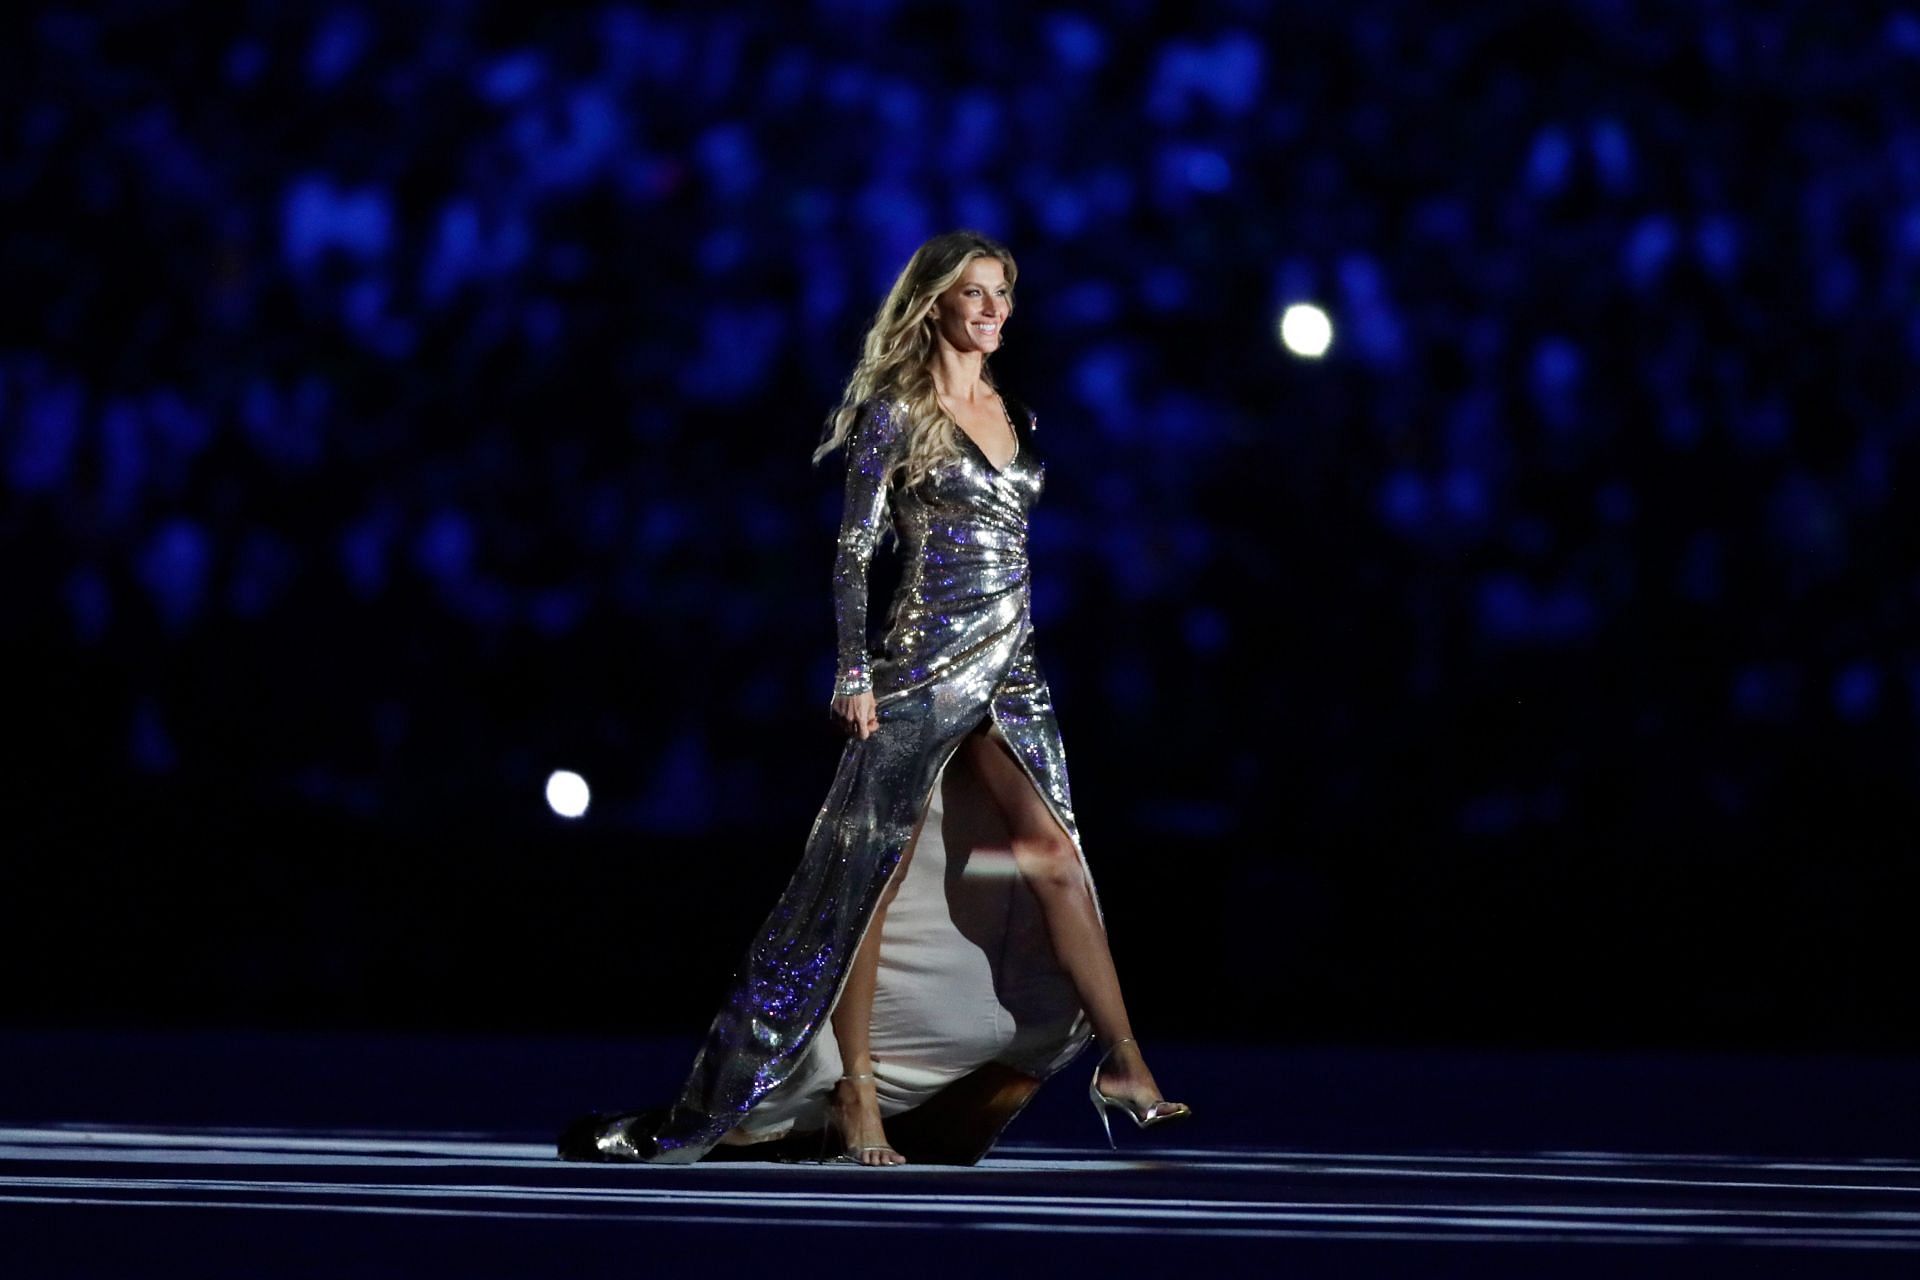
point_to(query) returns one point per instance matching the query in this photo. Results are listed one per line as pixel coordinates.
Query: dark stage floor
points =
(357, 1155)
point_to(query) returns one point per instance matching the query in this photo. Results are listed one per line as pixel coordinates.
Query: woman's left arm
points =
(871, 458)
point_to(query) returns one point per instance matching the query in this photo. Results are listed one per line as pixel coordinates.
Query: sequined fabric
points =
(958, 649)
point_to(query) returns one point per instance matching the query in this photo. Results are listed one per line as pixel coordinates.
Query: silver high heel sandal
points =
(1154, 1113)
(857, 1154)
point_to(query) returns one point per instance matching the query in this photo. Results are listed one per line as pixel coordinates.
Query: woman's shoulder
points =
(882, 406)
(881, 415)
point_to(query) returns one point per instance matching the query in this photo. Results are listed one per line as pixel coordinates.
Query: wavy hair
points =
(896, 357)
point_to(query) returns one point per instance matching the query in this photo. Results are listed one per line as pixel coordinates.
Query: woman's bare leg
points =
(856, 1107)
(1050, 864)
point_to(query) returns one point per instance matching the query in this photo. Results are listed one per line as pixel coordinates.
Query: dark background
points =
(400, 402)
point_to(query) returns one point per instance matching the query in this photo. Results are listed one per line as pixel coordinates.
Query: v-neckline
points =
(1019, 445)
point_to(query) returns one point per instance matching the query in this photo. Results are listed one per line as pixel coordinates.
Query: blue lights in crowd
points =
(524, 331)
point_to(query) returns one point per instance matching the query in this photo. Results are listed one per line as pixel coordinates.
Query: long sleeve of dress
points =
(871, 457)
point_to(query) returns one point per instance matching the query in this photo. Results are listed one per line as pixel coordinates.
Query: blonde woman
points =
(940, 950)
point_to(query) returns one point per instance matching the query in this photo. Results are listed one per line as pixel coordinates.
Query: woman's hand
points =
(856, 714)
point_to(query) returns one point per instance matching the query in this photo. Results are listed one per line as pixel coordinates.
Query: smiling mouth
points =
(988, 328)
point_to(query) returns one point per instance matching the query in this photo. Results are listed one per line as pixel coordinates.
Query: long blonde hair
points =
(896, 360)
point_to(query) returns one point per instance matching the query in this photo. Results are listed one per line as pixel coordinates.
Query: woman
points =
(948, 1018)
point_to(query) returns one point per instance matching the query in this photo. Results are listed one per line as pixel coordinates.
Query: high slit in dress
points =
(971, 1009)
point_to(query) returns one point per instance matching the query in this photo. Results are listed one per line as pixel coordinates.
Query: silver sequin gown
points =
(958, 651)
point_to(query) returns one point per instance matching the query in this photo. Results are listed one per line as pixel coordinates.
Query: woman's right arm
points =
(871, 458)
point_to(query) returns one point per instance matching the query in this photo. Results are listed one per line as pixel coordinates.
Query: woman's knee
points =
(1049, 863)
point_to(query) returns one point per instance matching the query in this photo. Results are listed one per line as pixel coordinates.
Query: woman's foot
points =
(855, 1114)
(1124, 1077)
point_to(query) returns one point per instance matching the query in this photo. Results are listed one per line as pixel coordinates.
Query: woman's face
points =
(972, 312)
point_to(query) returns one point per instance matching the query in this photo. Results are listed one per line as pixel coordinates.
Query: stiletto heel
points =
(1153, 1113)
(851, 1154)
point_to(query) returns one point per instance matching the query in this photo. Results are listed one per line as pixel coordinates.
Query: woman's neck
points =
(958, 375)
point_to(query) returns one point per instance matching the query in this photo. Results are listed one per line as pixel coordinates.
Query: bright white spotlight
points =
(1305, 330)
(567, 793)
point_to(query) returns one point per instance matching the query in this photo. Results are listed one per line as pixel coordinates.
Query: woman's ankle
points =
(856, 1091)
(1123, 1057)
